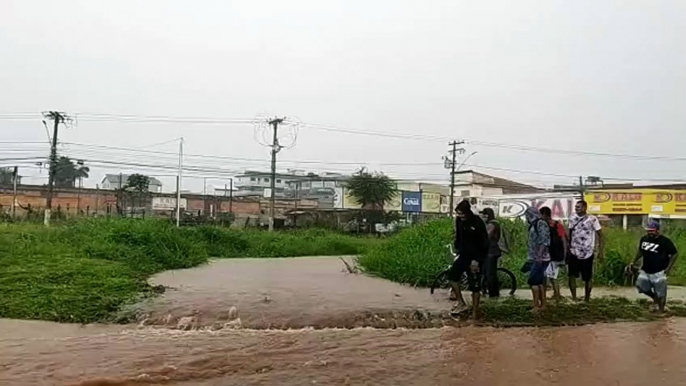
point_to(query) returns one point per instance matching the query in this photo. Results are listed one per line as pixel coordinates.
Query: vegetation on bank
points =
(86, 270)
(517, 312)
(417, 254)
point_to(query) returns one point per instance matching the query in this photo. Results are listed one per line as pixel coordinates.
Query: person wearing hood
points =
(538, 256)
(471, 245)
(494, 252)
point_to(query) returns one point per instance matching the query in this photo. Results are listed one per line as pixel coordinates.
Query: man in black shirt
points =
(658, 254)
(471, 244)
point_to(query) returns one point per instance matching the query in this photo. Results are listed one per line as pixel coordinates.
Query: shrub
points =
(417, 254)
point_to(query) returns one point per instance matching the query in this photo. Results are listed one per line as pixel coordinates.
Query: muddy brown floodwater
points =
(40, 353)
(287, 293)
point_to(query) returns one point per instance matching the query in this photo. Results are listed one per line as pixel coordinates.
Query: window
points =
(278, 181)
(464, 193)
(266, 180)
(252, 179)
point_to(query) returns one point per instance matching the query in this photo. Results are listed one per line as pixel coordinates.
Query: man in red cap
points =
(658, 254)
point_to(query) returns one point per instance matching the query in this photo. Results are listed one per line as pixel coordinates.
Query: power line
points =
(431, 138)
(98, 117)
(160, 119)
(415, 176)
(218, 157)
(304, 162)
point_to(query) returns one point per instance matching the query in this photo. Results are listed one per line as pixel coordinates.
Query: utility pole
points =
(178, 184)
(581, 187)
(272, 181)
(297, 200)
(450, 164)
(231, 195)
(78, 197)
(57, 118)
(15, 176)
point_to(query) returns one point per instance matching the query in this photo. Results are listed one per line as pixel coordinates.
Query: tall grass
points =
(417, 254)
(84, 271)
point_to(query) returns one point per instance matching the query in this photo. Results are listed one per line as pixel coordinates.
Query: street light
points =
(465, 160)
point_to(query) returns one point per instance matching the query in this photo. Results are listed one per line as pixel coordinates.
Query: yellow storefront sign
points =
(431, 202)
(637, 201)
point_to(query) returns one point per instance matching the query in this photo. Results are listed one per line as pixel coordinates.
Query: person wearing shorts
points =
(584, 232)
(658, 254)
(538, 255)
(558, 250)
(471, 244)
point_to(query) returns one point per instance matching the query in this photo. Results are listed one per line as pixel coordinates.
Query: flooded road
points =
(625, 354)
(287, 293)
(209, 330)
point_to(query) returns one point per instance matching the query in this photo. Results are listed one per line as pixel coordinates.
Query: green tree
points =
(67, 172)
(6, 176)
(140, 184)
(372, 191)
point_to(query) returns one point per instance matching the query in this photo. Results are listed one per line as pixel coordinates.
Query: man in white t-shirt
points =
(584, 232)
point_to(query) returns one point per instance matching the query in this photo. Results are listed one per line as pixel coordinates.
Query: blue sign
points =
(412, 202)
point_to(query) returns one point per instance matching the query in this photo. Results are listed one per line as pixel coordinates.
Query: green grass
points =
(255, 243)
(85, 271)
(417, 254)
(517, 312)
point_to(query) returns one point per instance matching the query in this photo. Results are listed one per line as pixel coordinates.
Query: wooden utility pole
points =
(272, 181)
(57, 118)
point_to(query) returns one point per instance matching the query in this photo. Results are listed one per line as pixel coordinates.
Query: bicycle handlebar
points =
(452, 251)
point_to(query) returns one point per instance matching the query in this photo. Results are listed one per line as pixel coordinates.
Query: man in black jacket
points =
(471, 245)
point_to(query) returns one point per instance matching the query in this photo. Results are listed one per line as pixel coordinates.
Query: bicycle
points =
(506, 279)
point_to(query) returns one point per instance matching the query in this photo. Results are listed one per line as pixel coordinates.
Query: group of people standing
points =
(550, 248)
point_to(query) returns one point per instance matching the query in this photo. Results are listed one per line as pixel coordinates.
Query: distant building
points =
(469, 183)
(255, 183)
(112, 182)
(321, 188)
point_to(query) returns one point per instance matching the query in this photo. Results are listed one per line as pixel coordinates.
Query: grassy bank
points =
(86, 270)
(416, 255)
(517, 312)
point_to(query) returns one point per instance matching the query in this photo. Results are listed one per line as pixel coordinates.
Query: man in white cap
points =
(658, 254)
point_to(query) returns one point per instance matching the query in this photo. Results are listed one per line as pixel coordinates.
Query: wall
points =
(102, 202)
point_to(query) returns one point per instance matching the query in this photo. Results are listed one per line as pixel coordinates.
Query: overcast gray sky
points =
(599, 76)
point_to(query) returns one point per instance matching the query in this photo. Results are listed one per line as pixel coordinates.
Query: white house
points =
(116, 181)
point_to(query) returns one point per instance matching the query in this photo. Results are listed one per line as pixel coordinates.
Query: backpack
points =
(556, 248)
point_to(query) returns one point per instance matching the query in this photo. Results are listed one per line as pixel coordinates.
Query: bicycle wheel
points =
(507, 280)
(441, 281)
